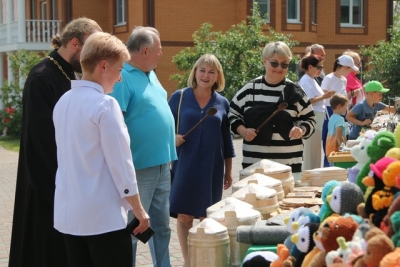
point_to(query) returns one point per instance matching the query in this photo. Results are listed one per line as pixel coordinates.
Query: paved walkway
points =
(8, 173)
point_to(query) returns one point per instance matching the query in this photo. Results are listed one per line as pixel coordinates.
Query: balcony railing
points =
(37, 31)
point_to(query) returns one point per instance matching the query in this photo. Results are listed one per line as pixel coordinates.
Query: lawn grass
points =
(10, 143)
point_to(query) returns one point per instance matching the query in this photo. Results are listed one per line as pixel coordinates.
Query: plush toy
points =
(395, 220)
(377, 247)
(347, 252)
(391, 259)
(259, 258)
(345, 198)
(293, 217)
(386, 224)
(283, 255)
(304, 241)
(376, 205)
(359, 153)
(328, 231)
(325, 210)
(382, 142)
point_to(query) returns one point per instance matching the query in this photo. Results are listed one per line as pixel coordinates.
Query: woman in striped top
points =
(281, 139)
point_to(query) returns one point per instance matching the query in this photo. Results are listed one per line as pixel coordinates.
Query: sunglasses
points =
(276, 64)
(319, 67)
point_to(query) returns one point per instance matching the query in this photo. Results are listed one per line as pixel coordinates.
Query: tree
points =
(11, 93)
(239, 50)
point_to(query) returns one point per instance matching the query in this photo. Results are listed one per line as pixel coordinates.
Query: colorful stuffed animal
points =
(325, 210)
(283, 255)
(395, 220)
(382, 142)
(328, 231)
(345, 198)
(391, 259)
(359, 153)
(378, 201)
(304, 241)
(386, 224)
(259, 258)
(293, 217)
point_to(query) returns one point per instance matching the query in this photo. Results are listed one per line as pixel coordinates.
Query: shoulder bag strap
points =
(179, 111)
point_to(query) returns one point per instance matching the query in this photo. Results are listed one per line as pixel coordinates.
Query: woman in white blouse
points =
(313, 152)
(95, 180)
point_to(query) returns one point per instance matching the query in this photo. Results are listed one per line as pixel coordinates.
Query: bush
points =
(11, 93)
(239, 50)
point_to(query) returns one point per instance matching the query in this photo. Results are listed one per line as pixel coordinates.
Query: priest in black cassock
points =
(34, 241)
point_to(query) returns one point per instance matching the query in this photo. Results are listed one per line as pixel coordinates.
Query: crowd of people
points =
(103, 147)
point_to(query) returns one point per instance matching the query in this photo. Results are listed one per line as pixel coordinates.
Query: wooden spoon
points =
(210, 112)
(282, 106)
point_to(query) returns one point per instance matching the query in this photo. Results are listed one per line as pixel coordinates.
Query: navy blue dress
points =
(199, 171)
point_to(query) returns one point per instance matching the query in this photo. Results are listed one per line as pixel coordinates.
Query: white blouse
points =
(312, 90)
(95, 169)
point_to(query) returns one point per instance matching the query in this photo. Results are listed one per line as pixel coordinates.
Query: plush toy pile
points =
(359, 223)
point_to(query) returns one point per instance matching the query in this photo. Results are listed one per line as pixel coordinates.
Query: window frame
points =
(268, 4)
(297, 19)
(120, 19)
(43, 10)
(350, 15)
(54, 13)
(314, 12)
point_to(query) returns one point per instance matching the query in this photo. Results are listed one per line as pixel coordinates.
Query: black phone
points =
(145, 236)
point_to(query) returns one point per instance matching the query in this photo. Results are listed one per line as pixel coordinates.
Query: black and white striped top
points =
(288, 152)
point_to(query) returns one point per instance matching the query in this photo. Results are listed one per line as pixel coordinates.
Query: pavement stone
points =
(8, 174)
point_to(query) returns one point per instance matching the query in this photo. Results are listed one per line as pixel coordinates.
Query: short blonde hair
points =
(102, 46)
(213, 62)
(279, 48)
(353, 54)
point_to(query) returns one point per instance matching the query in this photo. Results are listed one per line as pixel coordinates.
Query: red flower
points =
(10, 110)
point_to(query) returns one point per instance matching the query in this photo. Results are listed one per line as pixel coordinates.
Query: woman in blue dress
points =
(204, 165)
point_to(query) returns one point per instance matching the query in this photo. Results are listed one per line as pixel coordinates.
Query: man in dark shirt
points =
(317, 50)
(34, 241)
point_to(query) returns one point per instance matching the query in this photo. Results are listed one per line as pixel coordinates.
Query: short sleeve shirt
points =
(334, 121)
(363, 111)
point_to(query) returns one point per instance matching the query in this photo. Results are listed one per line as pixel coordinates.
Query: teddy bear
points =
(382, 142)
(378, 244)
(325, 210)
(345, 198)
(359, 153)
(328, 231)
(379, 199)
(391, 259)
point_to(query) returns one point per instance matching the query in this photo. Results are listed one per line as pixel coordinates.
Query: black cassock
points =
(34, 241)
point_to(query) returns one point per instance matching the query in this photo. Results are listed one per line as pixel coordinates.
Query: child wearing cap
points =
(336, 125)
(335, 81)
(363, 113)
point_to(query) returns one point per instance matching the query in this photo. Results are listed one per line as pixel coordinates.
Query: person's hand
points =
(296, 132)
(227, 180)
(367, 122)
(144, 220)
(249, 134)
(329, 94)
(179, 140)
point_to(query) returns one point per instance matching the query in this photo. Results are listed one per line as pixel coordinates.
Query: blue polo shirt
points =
(149, 119)
(363, 111)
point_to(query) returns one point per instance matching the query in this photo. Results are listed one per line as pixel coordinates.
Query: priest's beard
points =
(75, 63)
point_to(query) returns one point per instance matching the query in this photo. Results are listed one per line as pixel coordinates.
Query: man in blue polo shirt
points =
(150, 124)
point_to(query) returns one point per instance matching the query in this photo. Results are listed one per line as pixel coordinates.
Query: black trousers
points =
(113, 249)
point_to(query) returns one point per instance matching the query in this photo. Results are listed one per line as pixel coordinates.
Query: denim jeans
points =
(154, 185)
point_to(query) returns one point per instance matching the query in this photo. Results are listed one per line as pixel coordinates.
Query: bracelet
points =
(303, 128)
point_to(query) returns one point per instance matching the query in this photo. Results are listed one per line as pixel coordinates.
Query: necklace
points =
(58, 65)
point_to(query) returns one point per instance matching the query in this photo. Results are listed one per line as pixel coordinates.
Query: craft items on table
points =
(261, 234)
(391, 259)
(262, 198)
(292, 218)
(262, 180)
(342, 159)
(208, 244)
(360, 155)
(272, 169)
(326, 209)
(386, 224)
(345, 198)
(227, 201)
(232, 216)
(319, 176)
(382, 142)
(304, 241)
(259, 258)
(283, 257)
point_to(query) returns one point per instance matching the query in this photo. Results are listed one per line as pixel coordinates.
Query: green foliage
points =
(11, 93)
(239, 50)
(10, 143)
(384, 61)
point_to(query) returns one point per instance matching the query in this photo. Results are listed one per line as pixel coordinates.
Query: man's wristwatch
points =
(303, 128)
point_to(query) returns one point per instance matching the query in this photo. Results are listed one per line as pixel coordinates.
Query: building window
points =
(2, 18)
(351, 13)
(314, 11)
(54, 9)
(293, 11)
(43, 6)
(120, 8)
(264, 9)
